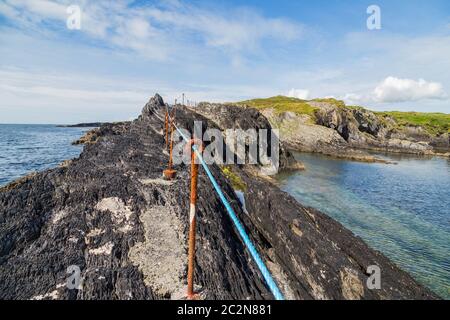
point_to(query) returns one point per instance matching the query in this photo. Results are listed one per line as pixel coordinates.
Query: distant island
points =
(81, 125)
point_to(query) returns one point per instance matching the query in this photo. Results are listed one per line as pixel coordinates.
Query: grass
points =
(281, 104)
(337, 103)
(434, 123)
(236, 182)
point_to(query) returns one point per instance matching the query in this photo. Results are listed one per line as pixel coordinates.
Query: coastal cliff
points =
(109, 213)
(330, 127)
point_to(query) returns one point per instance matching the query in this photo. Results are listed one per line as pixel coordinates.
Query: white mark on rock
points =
(59, 215)
(121, 213)
(106, 249)
(53, 295)
(162, 256)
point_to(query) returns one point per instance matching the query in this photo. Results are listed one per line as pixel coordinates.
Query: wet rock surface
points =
(109, 213)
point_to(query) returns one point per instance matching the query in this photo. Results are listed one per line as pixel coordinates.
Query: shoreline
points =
(399, 210)
(115, 184)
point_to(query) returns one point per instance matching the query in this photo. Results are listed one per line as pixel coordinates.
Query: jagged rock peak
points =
(157, 100)
(154, 103)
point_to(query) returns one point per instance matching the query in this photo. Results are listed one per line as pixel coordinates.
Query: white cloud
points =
(299, 94)
(352, 98)
(394, 89)
(237, 30)
(61, 98)
(45, 97)
(42, 8)
(157, 31)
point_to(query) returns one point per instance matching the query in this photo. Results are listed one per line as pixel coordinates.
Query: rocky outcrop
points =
(441, 142)
(302, 124)
(82, 125)
(228, 116)
(362, 129)
(300, 132)
(91, 136)
(111, 215)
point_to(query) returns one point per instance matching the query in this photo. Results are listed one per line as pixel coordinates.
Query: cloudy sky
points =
(125, 51)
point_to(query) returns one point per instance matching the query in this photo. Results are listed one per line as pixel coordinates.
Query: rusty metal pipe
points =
(170, 174)
(166, 126)
(192, 226)
(171, 146)
(192, 220)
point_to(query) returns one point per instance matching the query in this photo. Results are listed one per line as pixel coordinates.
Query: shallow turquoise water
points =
(25, 148)
(401, 210)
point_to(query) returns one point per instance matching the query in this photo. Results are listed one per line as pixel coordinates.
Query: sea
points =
(402, 209)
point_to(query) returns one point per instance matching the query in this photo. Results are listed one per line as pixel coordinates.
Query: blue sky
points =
(126, 51)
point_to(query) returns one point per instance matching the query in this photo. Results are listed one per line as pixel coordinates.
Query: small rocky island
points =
(111, 214)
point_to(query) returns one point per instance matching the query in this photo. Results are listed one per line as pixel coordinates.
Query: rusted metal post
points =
(192, 220)
(170, 174)
(166, 126)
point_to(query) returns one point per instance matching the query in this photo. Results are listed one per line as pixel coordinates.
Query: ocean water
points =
(28, 148)
(402, 210)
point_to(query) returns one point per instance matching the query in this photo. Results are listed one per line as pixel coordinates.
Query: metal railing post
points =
(170, 173)
(192, 220)
(166, 126)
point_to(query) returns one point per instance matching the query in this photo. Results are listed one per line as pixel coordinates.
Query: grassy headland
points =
(434, 123)
(281, 104)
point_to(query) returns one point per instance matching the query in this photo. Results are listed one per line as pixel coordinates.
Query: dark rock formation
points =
(320, 259)
(441, 142)
(235, 117)
(82, 125)
(363, 129)
(299, 132)
(110, 213)
(91, 136)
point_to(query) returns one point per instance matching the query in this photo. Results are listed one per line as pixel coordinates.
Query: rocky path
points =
(110, 214)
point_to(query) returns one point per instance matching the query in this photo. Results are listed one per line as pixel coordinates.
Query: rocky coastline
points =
(329, 127)
(109, 213)
(81, 125)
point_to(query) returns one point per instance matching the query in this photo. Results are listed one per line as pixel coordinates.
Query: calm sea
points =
(401, 210)
(27, 148)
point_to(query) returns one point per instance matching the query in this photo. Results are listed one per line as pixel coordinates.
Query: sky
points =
(122, 52)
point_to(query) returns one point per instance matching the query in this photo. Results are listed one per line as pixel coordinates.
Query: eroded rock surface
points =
(109, 213)
(228, 116)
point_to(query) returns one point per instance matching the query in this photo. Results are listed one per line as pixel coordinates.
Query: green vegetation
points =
(335, 102)
(434, 123)
(236, 182)
(355, 108)
(281, 104)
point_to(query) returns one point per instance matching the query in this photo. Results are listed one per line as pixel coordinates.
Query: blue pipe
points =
(251, 248)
